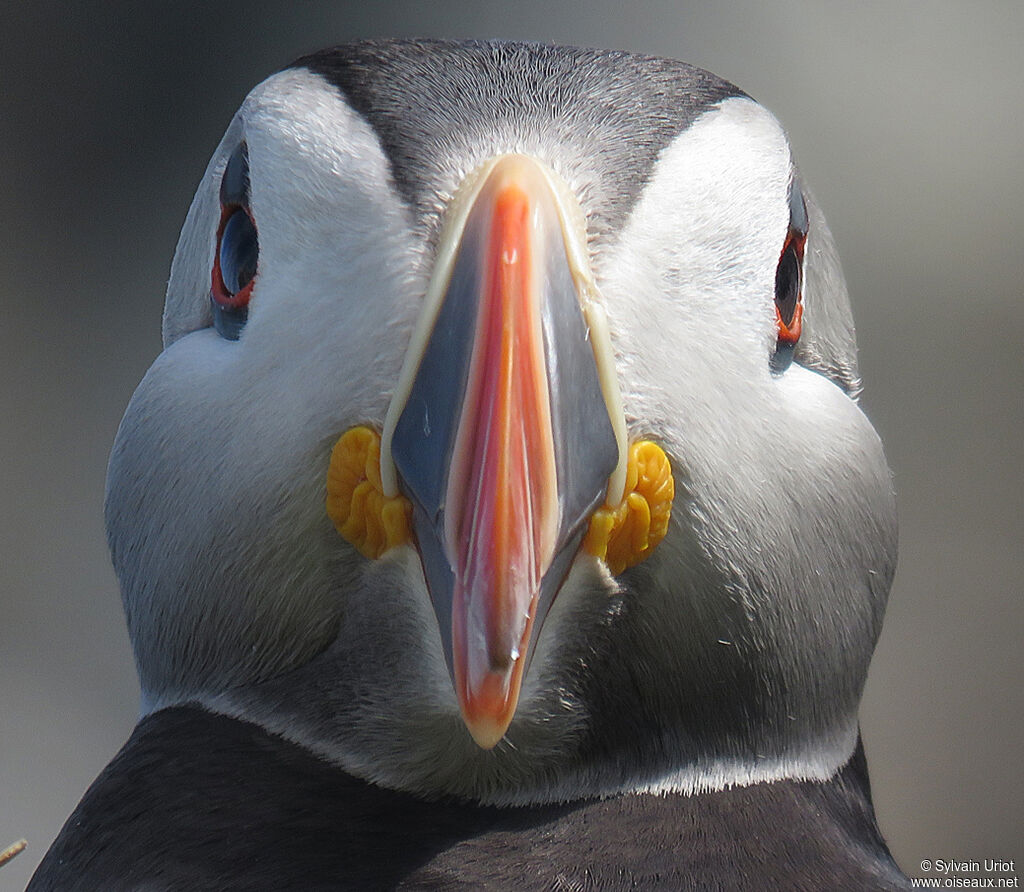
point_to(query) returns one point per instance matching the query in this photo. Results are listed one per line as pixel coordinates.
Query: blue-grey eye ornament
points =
(238, 249)
(789, 278)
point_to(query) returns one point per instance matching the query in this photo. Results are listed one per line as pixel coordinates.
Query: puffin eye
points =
(787, 287)
(237, 255)
(239, 250)
(789, 275)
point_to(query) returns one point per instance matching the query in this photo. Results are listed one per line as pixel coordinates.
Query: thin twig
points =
(12, 850)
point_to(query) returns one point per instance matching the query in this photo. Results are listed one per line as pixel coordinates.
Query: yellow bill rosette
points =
(625, 534)
(356, 503)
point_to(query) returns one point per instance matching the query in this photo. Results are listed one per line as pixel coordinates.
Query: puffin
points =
(499, 513)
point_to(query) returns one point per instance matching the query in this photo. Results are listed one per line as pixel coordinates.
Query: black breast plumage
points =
(206, 803)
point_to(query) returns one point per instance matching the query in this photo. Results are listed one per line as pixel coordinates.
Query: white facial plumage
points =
(736, 653)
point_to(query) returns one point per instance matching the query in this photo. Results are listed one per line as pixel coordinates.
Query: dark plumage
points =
(586, 99)
(201, 803)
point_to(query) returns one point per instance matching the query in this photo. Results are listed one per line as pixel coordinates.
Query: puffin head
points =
(504, 443)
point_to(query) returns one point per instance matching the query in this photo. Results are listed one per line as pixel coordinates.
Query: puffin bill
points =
(503, 464)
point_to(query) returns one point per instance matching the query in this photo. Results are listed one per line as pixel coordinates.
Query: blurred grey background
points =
(907, 121)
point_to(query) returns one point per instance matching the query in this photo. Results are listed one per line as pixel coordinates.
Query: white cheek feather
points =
(219, 531)
(340, 269)
(690, 283)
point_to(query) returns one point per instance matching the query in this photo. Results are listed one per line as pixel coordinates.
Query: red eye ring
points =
(789, 332)
(218, 289)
